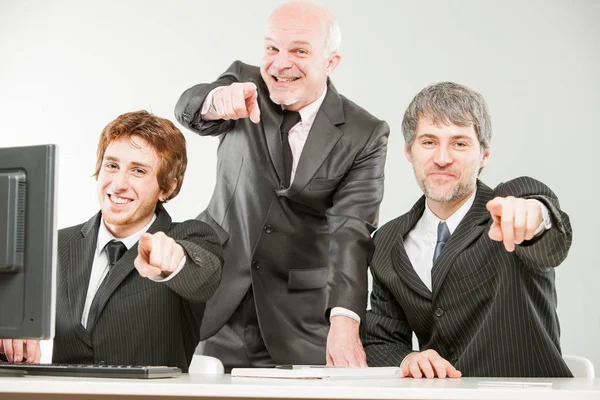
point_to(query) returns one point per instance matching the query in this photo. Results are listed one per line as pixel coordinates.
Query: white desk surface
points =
(224, 386)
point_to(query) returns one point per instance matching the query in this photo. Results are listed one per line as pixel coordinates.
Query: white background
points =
(69, 67)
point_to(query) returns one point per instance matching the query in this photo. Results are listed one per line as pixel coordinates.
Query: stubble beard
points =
(449, 193)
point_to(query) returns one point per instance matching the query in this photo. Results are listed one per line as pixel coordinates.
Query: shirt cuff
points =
(162, 278)
(208, 112)
(337, 311)
(546, 220)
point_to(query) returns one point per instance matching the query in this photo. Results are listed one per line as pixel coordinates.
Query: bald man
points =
(299, 183)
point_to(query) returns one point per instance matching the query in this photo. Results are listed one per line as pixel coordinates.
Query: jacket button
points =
(269, 229)
(439, 312)
(255, 265)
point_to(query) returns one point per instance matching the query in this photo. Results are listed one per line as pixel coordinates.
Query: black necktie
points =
(290, 119)
(443, 234)
(114, 251)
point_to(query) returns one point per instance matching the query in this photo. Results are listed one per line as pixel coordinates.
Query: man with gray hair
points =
(299, 183)
(469, 269)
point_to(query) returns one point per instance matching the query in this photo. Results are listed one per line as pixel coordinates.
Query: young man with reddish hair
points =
(132, 284)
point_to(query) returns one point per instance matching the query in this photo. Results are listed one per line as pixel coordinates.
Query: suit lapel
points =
(81, 259)
(400, 260)
(469, 229)
(321, 139)
(125, 266)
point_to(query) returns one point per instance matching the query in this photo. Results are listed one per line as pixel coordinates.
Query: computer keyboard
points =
(93, 371)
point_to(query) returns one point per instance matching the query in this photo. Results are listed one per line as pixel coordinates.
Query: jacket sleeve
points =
(552, 247)
(201, 274)
(189, 105)
(385, 334)
(352, 218)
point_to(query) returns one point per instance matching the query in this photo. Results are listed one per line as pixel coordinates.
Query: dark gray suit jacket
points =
(141, 322)
(304, 249)
(491, 312)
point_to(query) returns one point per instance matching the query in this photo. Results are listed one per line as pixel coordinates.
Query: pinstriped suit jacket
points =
(140, 322)
(490, 312)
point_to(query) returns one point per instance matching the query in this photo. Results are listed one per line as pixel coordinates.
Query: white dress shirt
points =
(100, 263)
(421, 240)
(297, 137)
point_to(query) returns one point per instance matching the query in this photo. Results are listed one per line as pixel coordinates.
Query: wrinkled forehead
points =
(442, 125)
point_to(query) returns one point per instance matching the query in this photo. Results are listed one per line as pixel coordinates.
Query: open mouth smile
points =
(285, 79)
(119, 201)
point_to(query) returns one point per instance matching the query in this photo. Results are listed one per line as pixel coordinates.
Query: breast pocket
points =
(481, 276)
(137, 285)
(319, 184)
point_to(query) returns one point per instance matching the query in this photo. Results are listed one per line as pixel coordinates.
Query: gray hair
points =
(334, 37)
(449, 102)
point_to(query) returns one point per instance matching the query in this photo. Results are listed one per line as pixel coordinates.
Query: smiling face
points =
(296, 63)
(128, 189)
(446, 160)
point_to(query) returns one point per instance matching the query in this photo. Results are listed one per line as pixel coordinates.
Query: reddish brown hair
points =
(166, 139)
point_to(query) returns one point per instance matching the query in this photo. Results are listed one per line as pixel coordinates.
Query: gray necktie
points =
(443, 234)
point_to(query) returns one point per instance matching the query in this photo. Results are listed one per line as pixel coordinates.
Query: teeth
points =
(286, 79)
(119, 200)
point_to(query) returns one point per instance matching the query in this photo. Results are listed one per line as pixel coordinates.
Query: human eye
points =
(271, 49)
(302, 52)
(427, 143)
(139, 171)
(461, 145)
(110, 166)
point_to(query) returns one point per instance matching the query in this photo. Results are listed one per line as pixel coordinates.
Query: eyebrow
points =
(432, 136)
(294, 43)
(133, 163)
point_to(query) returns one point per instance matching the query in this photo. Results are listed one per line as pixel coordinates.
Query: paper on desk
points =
(318, 372)
(515, 384)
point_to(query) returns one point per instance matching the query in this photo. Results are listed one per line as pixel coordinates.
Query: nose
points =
(120, 181)
(282, 60)
(442, 156)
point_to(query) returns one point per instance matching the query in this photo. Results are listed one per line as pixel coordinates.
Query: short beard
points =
(285, 103)
(458, 192)
(451, 194)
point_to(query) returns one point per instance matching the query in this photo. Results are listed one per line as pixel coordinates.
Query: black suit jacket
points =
(491, 312)
(305, 248)
(140, 322)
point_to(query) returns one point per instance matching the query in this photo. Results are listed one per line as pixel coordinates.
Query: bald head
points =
(308, 13)
(300, 52)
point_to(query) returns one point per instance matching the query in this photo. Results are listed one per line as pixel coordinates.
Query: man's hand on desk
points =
(343, 343)
(427, 363)
(21, 350)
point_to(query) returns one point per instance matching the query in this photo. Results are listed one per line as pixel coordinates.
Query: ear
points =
(164, 195)
(332, 63)
(407, 153)
(485, 158)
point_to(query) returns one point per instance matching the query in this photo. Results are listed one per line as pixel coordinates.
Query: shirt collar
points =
(432, 220)
(104, 236)
(309, 112)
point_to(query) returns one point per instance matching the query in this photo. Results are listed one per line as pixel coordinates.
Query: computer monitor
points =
(27, 242)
